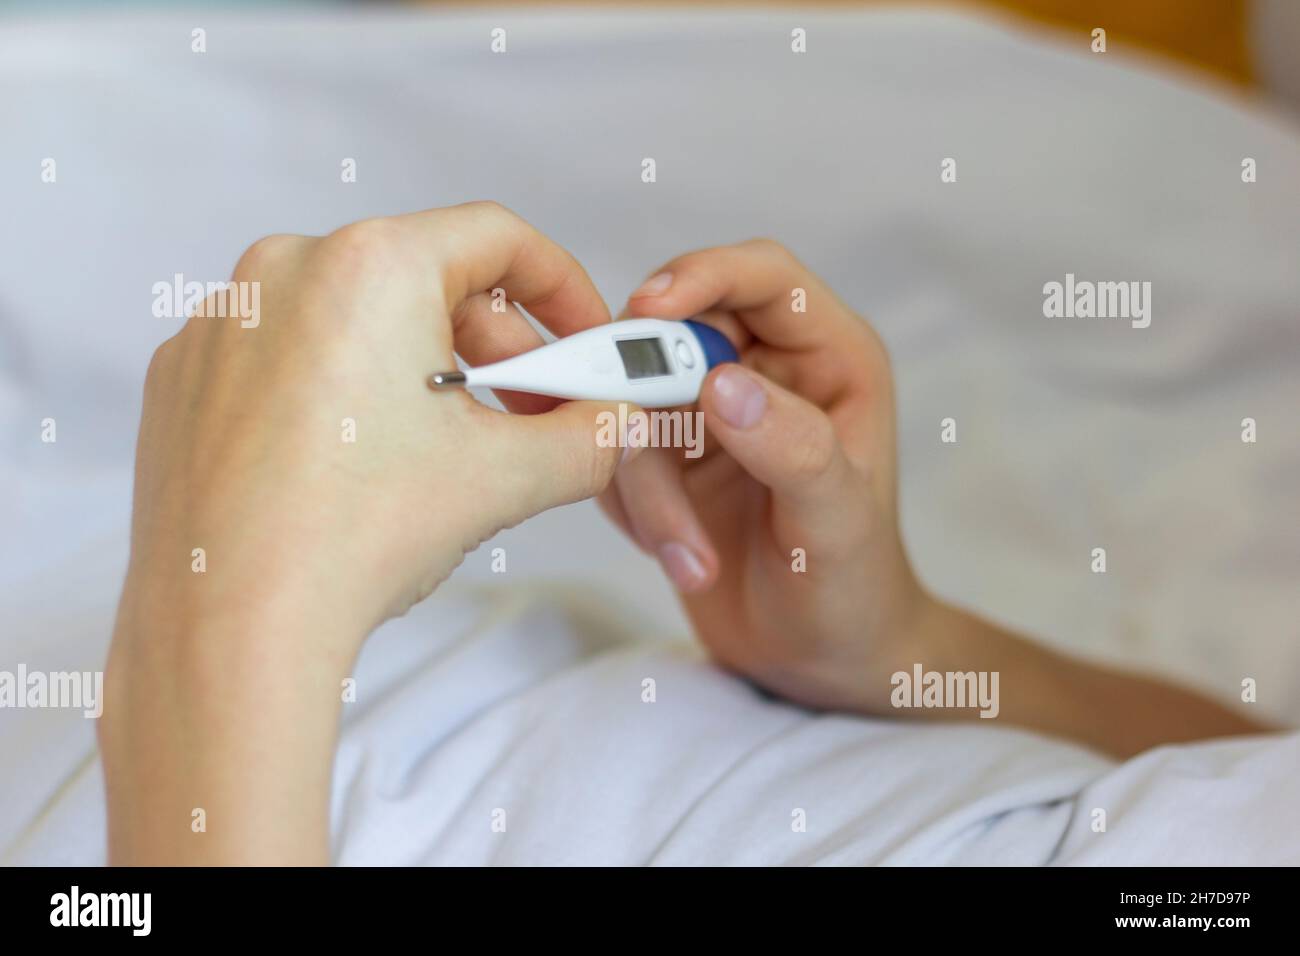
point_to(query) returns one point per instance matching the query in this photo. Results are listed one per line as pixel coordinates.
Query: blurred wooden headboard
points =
(1211, 34)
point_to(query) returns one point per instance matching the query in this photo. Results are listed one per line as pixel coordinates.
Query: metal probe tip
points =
(441, 380)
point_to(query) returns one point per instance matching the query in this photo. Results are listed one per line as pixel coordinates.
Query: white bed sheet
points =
(1072, 435)
(524, 710)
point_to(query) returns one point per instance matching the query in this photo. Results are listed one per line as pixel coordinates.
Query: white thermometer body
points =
(654, 363)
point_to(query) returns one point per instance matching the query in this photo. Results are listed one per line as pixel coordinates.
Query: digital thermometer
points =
(652, 362)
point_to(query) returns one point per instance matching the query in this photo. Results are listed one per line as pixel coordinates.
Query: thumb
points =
(567, 454)
(788, 444)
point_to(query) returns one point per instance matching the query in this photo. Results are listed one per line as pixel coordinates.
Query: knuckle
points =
(261, 254)
(767, 245)
(363, 240)
(779, 254)
(487, 207)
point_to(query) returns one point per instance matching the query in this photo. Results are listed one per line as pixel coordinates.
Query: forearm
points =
(218, 735)
(1118, 713)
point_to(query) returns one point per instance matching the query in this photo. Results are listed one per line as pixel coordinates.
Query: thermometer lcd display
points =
(642, 358)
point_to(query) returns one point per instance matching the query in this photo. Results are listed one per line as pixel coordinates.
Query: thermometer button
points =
(685, 355)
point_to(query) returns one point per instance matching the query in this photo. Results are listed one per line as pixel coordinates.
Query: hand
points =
(799, 460)
(267, 543)
(800, 456)
(304, 454)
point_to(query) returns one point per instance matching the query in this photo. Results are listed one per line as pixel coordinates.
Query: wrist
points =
(218, 732)
(241, 592)
(917, 632)
(910, 634)
(238, 661)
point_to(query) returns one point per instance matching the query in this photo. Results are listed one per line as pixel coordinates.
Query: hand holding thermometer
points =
(652, 362)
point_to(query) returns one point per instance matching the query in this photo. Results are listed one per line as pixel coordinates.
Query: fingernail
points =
(682, 566)
(655, 285)
(738, 398)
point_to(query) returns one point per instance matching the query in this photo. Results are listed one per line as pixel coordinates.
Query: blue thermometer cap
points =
(717, 347)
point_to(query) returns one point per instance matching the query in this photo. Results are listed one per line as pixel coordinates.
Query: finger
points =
(558, 457)
(789, 445)
(488, 332)
(663, 520)
(484, 334)
(777, 298)
(483, 246)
